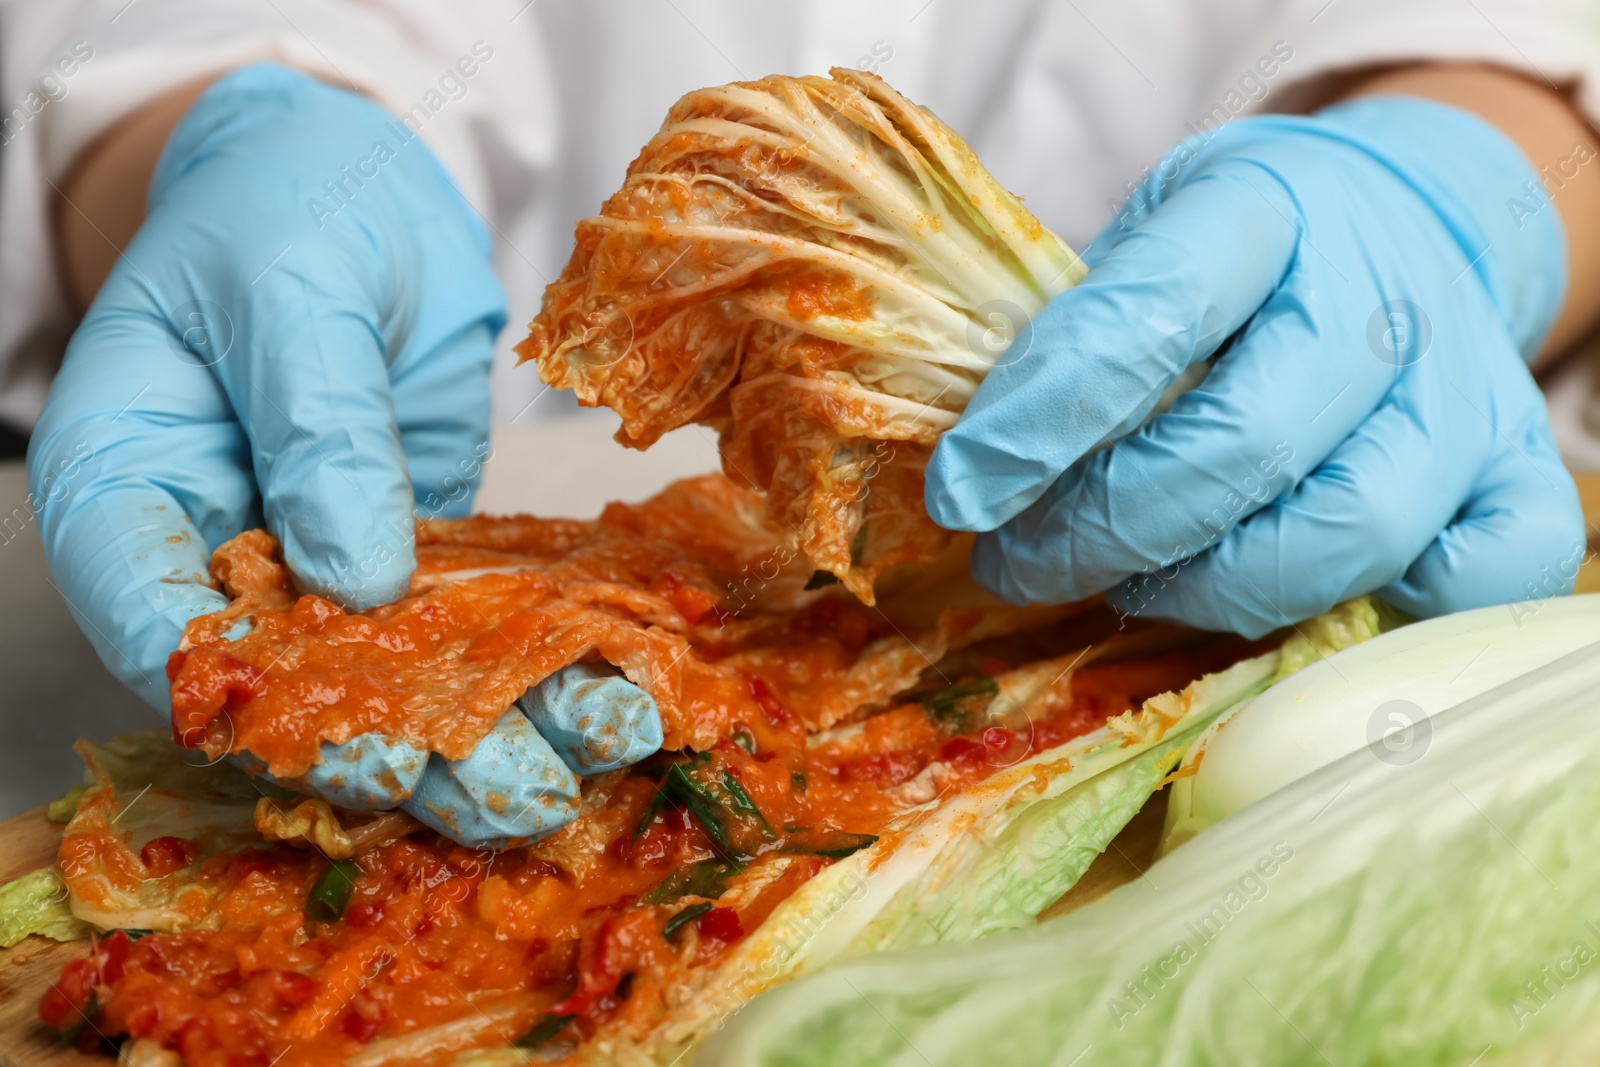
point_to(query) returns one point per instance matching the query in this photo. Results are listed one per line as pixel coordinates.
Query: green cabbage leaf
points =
(1436, 911)
(37, 903)
(139, 787)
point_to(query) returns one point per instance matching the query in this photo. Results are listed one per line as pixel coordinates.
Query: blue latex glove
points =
(299, 336)
(520, 782)
(1371, 280)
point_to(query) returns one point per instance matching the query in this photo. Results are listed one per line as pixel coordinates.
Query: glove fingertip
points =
(357, 591)
(356, 566)
(366, 773)
(991, 568)
(957, 496)
(512, 787)
(1194, 598)
(1473, 564)
(595, 719)
(141, 662)
(339, 502)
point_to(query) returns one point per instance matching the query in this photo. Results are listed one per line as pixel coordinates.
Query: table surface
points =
(55, 689)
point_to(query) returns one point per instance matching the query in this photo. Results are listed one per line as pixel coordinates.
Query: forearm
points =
(101, 202)
(1560, 144)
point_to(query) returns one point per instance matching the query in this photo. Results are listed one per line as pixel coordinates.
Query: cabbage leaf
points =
(824, 272)
(1378, 696)
(141, 786)
(986, 861)
(1433, 912)
(37, 903)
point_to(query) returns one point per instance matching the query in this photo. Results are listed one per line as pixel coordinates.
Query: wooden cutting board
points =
(28, 842)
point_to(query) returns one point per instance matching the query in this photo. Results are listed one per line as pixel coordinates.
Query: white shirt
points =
(1066, 101)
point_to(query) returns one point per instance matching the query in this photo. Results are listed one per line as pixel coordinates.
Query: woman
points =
(282, 232)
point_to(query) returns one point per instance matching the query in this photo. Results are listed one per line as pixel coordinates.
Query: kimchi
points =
(822, 271)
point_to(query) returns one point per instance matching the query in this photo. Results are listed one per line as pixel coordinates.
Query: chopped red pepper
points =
(620, 945)
(362, 1020)
(68, 1002)
(62, 1006)
(776, 713)
(720, 924)
(963, 750)
(292, 989)
(888, 768)
(207, 683)
(111, 956)
(163, 855)
(997, 738)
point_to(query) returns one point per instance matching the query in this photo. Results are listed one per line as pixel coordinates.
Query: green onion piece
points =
(670, 888)
(62, 809)
(543, 1030)
(958, 708)
(745, 741)
(821, 579)
(720, 806)
(798, 780)
(684, 918)
(85, 1017)
(706, 879)
(858, 543)
(742, 800)
(133, 935)
(833, 844)
(703, 807)
(657, 802)
(332, 891)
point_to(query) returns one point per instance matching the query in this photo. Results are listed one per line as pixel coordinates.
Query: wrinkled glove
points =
(299, 337)
(520, 782)
(1370, 281)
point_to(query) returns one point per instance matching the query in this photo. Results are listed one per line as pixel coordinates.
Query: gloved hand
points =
(300, 336)
(521, 781)
(1370, 293)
